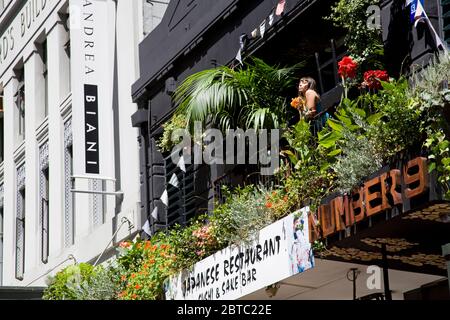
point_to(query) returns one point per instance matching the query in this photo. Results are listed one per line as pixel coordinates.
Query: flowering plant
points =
(298, 103)
(347, 67)
(204, 240)
(145, 280)
(372, 78)
(278, 203)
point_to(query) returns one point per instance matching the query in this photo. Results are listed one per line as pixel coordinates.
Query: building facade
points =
(198, 35)
(69, 171)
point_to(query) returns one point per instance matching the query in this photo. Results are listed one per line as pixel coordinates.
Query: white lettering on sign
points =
(239, 270)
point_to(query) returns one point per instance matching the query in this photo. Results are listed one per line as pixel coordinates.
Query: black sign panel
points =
(91, 128)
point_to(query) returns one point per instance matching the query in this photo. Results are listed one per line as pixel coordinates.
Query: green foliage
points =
(429, 83)
(439, 156)
(308, 178)
(101, 286)
(64, 285)
(318, 246)
(364, 44)
(241, 216)
(252, 97)
(176, 122)
(397, 128)
(430, 87)
(358, 160)
(388, 120)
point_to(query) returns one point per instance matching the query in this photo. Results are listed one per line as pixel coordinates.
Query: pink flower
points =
(124, 244)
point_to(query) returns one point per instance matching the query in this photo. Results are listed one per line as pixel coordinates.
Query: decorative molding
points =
(65, 108)
(43, 156)
(42, 130)
(19, 154)
(68, 135)
(20, 176)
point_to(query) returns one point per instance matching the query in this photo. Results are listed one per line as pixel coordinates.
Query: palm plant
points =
(251, 97)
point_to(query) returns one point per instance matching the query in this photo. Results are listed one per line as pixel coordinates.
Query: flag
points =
(417, 12)
(242, 41)
(262, 28)
(146, 228)
(239, 56)
(255, 33)
(280, 7)
(155, 213)
(165, 198)
(174, 180)
(271, 19)
(181, 164)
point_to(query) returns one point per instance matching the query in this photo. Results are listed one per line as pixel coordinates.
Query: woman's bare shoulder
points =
(312, 93)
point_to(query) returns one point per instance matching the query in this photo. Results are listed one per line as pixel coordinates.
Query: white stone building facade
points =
(66, 69)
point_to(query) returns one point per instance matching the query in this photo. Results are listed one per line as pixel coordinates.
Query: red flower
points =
(372, 78)
(347, 67)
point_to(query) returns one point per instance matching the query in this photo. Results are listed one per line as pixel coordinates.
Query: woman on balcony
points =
(311, 103)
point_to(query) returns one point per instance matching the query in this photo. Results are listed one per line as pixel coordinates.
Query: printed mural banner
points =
(277, 252)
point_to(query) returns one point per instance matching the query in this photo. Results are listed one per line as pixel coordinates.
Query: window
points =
(98, 202)
(45, 191)
(69, 203)
(190, 197)
(20, 222)
(45, 76)
(67, 51)
(20, 105)
(446, 19)
(65, 17)
(20, 234)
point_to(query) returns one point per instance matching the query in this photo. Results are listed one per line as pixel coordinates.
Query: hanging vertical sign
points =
(92, 65)
(89, 12)
(91, 132)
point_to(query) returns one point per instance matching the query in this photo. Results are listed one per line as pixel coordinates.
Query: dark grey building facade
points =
(199, 34)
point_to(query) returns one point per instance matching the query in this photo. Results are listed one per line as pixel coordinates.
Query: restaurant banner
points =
(277, 252)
